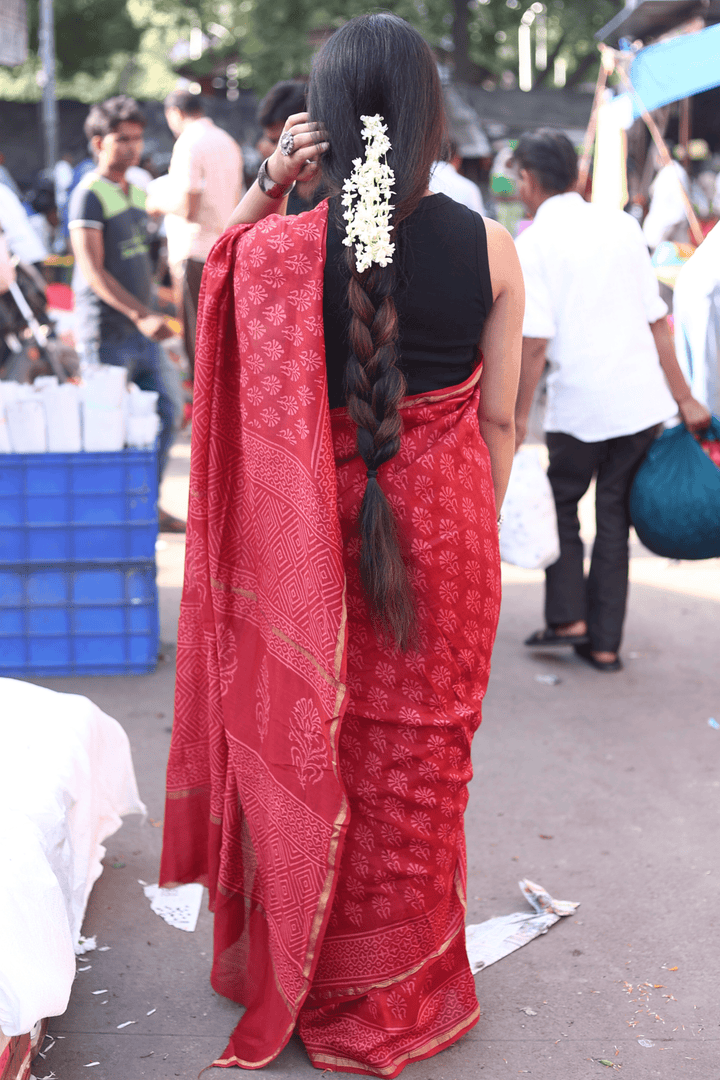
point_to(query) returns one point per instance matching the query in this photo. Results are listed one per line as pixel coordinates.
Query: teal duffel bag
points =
(675, 497)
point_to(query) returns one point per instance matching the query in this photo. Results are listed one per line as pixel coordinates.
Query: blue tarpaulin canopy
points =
(676, 69)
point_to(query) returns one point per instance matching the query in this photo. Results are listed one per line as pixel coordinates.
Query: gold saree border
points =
(437, 1043)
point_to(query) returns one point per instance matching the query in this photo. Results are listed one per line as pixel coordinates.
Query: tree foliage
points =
(105, 46)
(87, 34)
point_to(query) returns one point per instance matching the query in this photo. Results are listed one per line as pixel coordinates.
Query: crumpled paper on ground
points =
(179, 907)
(492, 940)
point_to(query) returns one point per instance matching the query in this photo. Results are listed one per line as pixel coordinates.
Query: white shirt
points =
(445, 178)
(696, 307)
(591, 291)
(21, 238)
(206, 159)
(666, 218)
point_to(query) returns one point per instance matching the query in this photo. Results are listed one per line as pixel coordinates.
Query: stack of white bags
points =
(100, 413)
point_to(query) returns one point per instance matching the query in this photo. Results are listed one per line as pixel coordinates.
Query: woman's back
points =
(442, 300)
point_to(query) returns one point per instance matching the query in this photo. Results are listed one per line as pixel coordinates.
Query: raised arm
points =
(501, 346)
(283, 170)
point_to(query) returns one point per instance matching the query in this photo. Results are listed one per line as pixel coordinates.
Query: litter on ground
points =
(179, 907)
(490, 941)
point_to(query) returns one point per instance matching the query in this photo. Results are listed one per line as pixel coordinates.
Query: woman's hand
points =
(308, 144)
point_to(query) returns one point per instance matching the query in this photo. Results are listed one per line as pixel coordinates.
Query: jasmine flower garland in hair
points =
(366, 198)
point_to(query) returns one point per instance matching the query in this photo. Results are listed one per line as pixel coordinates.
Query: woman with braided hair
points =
(353, 435)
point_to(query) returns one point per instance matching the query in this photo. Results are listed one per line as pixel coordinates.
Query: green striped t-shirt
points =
(97, 203)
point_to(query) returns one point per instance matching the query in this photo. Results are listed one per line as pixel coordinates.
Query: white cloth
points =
(67, 778)
(696, 307)
(666, 219)
(591, 291)
(206, 159)
(21, 238)
(138, 177)
(445, 178)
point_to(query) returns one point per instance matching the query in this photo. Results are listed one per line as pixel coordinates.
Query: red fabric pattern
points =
(255, 806)
(329, 824)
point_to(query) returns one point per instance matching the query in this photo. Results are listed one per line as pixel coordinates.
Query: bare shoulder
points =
(505, 272)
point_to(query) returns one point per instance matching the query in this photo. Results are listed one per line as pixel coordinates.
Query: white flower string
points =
(366, 198)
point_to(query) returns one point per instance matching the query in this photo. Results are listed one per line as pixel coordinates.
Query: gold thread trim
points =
(329, 679)
(222, 587)
(187, 792)
(354, 991)
(419, 1052)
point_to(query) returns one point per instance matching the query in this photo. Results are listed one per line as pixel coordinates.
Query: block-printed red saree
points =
(317, 778)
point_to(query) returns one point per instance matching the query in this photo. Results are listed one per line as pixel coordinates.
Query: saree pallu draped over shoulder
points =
(317, 777)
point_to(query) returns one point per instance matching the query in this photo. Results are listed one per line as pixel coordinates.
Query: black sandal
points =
(548, 636)
(585, 653)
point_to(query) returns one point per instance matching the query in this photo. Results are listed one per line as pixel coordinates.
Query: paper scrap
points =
(151, 1012)
(86, 968)
(85, 944)
(90, 1064)
(100, 991)
(712, 722)
(126, 1024)
(105, 948)
(548, 680)
(490, 941)
(179, 907)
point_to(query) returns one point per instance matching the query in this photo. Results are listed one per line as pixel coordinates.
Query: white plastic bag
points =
(529, 534)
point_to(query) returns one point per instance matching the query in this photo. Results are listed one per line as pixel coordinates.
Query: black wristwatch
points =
(269, 187)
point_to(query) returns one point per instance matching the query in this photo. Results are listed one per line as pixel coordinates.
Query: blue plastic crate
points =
(59, 508)
(79, 619)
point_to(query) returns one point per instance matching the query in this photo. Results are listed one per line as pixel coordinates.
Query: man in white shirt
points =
(445, 178)
(21, 238)
(696, 308)
(204, 185)
(594, 313)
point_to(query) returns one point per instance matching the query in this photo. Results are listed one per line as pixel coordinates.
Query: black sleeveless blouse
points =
(443, 298)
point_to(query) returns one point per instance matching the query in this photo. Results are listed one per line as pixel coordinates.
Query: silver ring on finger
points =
(287, 144)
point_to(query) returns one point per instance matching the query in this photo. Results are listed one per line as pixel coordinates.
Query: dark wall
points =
(21, 134)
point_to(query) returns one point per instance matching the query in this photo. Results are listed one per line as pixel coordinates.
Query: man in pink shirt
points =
(203, 187)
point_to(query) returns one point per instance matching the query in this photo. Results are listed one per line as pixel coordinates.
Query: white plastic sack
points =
(103, 429)
(67, 780)
(62, 408)
(529, 534)
(26, 426)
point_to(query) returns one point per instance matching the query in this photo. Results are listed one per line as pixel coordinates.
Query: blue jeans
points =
(144, 363)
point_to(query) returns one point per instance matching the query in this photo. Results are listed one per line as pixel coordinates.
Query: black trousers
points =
(600, 599)
(192, 277)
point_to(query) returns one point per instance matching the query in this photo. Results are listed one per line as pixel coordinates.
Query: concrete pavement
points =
(602, 788)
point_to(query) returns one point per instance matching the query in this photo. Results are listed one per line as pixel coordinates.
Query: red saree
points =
(317, 778)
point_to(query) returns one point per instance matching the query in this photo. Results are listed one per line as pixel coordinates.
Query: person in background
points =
(667, 219)
(22, 240)
(112, 281)
(285, 99)
(594, 311)
(7, 178)
(696, 309)
(446, 178)
(204, 182)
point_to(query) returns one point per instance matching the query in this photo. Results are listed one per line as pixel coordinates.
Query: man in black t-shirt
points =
(112, 280)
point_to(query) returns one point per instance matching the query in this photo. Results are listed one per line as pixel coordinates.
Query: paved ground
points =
(603, 788)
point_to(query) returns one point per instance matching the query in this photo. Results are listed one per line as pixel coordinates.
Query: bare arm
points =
(694, 414)
(184, 204)
(89, 250)
(501, 347)
(302, 165)
(532, 367)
